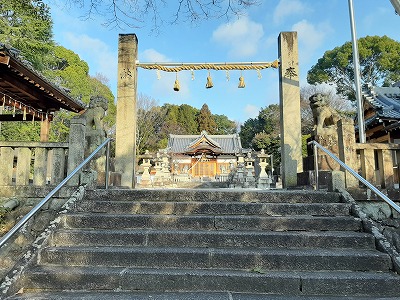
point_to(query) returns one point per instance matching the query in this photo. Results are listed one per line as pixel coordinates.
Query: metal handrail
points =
(34, 210)
(316, 145)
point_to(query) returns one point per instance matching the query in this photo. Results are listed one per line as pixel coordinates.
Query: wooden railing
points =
(379, 163)
(32, 163)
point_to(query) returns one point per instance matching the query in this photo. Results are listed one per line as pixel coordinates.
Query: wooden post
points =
(289, 88)
(125, 149)
(44, 130)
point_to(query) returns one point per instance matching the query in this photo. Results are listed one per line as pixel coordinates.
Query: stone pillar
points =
(6, 165)
(40, 167)
(289, 88)
(76, 148)
(23, 166)
(125, 148)
(347, 153)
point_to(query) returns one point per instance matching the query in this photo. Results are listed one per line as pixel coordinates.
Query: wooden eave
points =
(26, 86)
(203, 148)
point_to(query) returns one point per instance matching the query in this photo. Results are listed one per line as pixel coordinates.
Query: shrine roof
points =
(384, 100)
(224, 144)
(22, 86)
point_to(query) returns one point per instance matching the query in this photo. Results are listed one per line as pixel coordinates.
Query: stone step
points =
(47, 278)
(213, 238)
(218, 208)
(211, 258)
(124, 295)
(288, 223)
(214, 195)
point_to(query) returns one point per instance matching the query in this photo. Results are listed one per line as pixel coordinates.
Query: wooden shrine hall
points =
(28, 94)
(204, 155)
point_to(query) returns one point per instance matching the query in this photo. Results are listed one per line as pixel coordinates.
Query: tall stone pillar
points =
(125, 148)
(289, 88)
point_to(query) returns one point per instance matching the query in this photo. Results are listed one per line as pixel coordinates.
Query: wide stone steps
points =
(210, 222)
(210, 244)
(213, 238)
(213, 258)
(272, 282)
(215, 195)
(115, 295)
(218, 208)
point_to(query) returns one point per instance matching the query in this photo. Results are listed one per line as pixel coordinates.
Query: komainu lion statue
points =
(323, 115)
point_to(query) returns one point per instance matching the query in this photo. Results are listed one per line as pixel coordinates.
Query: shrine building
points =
(382, 114)
(204, 155)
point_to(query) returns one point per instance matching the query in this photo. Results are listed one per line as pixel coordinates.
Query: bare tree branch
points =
(154, 13)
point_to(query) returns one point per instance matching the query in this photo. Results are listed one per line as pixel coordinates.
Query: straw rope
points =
(226, 67)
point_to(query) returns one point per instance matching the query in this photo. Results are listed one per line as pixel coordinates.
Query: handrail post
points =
(316, 166)
(107, 163)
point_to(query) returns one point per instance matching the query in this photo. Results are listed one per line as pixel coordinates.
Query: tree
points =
(187, 117)
(149, 122)
(263, 132)
(134, 14)
(224, 125)
(379, 65)
(27, 26)
(206, 121)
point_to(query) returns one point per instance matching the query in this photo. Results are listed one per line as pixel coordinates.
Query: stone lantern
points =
(146, 179)
(263, 181)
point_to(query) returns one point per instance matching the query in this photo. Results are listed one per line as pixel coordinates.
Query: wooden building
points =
(382, 114)
(30, 95)
(204, 155)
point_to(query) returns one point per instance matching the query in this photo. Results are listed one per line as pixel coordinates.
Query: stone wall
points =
(16, 253)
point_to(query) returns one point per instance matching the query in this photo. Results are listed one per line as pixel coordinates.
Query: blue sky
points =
(321, 26)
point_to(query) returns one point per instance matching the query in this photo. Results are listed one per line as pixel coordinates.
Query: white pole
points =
(396, 5)
(360, 106)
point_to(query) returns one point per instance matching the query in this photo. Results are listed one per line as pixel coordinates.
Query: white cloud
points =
(251, 111)
(287, 8)
(151, 55)
(242, 36)
(96, 53)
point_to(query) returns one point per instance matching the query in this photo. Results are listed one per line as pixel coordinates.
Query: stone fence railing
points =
(32, 163)
(379, 163)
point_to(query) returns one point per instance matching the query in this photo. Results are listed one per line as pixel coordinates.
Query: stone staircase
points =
(210, 244)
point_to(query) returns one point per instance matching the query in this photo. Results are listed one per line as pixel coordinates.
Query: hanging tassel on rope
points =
(192, 73)
(209, 83)
(176, 84)
(241, 82)
(15, 103)
(24, 115)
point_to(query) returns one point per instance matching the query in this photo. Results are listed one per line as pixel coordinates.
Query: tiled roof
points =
(229, 143)
(385, 101)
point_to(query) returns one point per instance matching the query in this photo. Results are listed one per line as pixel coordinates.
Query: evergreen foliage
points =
(27, 26)
(379, 65)
(206, 121)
